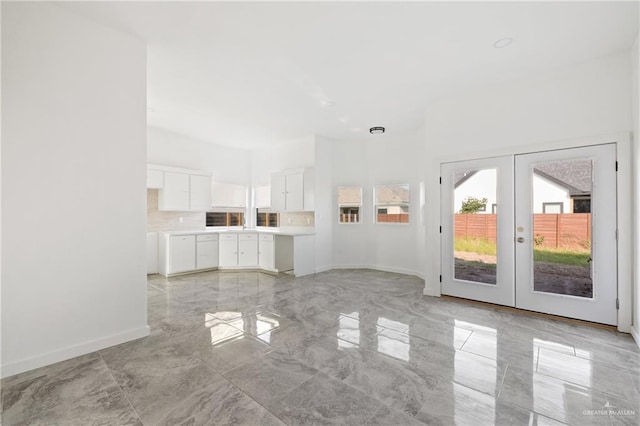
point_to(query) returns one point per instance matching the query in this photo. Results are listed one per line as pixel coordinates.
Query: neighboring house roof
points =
(393, 194)
(349, 196)
(574, 175)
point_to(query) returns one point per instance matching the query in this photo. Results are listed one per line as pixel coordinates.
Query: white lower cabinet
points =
(206, 251)
(228, 250)
(266, 251)
(248, 250)
(182, 253)
(233, 250)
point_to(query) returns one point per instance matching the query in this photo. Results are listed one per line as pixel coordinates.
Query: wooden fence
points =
(550, 230)
(393, 218)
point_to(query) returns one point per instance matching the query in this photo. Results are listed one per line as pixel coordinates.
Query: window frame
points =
(553, 203)
(377, 206)
(348, 205)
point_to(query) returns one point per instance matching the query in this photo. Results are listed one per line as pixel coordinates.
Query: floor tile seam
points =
(608, 364)
(532, 410)
(225, 377)
(623, 370)
(157, 288)
(466, 340)
(60, 403)
(598, 391)
(321, 374)
(611, 366)
(122, 391)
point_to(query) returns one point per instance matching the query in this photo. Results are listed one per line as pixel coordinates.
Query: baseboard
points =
(72, 351)
(323, 269)
(381, 268)
(635, 333)
(353, 266)
(396, 270)
(430, 292)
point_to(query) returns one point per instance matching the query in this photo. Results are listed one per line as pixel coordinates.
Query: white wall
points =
(229, 165)
(323, 204)
(588, 99)
(635, 97)
(545, 191)
(289, 154)
(73, 186)
(392, 158)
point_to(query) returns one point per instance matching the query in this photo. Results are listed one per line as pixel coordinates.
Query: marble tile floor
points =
(352, 347)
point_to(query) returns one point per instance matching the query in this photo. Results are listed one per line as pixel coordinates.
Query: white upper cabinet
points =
(199, 193)
(295, 192)
(292, 191)
(174, 195)
(180, 190)
(155, 179)
(279, 192)
(228, 195)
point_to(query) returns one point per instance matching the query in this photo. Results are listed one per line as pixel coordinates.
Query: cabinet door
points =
(155, 179)
(278, 192)
(183, 253)
(174, 195)
(200, 193)
(228, 253)
(248, 253)
(207, 252)
(265, 254)
(295, 192)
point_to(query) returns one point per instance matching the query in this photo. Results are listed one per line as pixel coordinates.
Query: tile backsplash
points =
(297, 219)
(158, 221)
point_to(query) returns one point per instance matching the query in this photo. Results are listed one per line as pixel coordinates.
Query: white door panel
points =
(584, 286)
(481, 268)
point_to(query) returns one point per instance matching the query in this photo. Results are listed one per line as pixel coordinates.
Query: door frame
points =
(624, 211)
(503, 292)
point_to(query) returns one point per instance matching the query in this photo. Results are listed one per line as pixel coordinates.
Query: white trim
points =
(323, 269)
(73, 351)
(625, 237)
(177, 170)
(381, 268)
(623, 148)
(635, 333)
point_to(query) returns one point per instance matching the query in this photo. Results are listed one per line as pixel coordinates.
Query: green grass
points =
(563, 256)
(566, 257)
(475, 245)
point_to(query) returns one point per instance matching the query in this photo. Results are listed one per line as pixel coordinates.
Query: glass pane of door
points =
(475, 225)
(477, 230)
(562, 232)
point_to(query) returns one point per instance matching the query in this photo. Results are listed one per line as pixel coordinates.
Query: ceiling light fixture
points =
(328, 104)
(503, 42)
(376, 130)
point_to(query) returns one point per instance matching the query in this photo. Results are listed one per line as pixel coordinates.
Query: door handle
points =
(520, 239)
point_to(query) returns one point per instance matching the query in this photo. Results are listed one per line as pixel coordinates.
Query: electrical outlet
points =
(181, 219)
(289, 220)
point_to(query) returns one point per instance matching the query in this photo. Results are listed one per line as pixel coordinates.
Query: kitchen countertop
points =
(287, 232)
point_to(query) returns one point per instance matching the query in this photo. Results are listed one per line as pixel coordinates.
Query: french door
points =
(535, 231)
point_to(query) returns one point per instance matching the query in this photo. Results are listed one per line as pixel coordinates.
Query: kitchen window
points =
(225, 218)
(267, 218)
(391, 203)
(349, 204)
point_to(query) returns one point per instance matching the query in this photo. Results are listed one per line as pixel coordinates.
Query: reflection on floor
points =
(343, 347)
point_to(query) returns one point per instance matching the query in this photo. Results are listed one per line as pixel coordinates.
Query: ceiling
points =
(250, 74)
